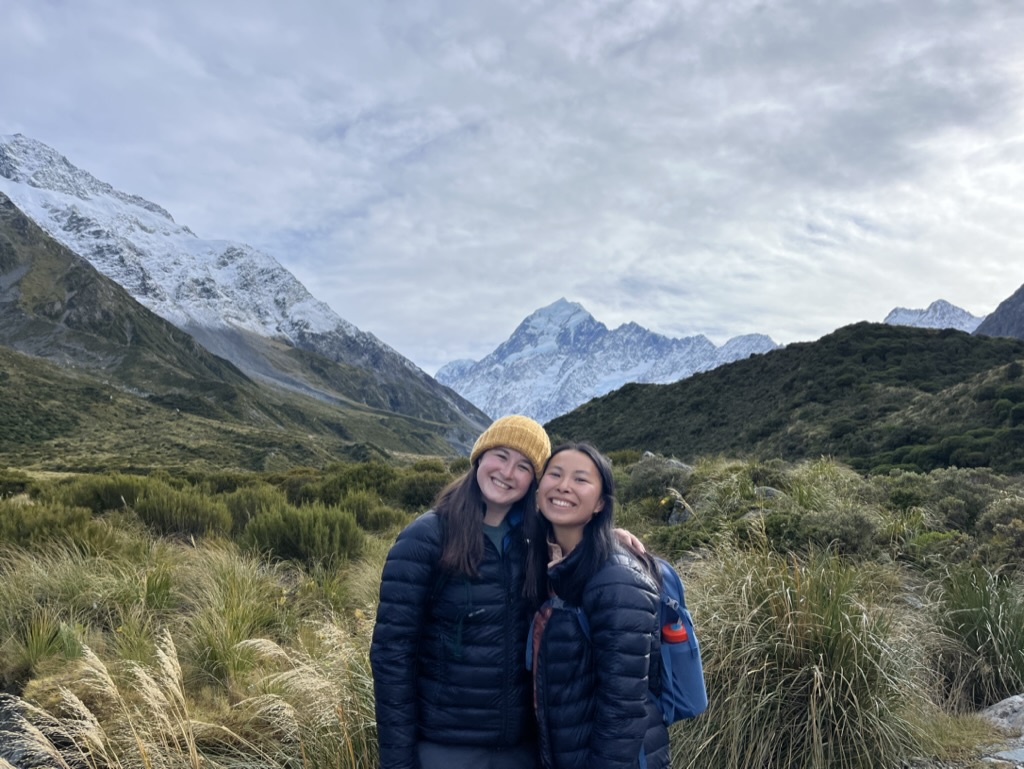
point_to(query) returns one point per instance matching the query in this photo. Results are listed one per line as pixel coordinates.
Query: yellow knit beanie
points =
(519, 433)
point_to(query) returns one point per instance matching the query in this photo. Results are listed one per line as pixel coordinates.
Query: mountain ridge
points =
(91, 378)
(1007, 319)
(560, 356)
(873, 395)
(235, 300)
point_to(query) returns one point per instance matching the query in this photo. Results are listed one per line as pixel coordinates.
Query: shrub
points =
(309, 534)
(458, 466)
(370, 476)
(27, 523)
(370, 511)
(848, 530)
(624, 457)
(651, 476)
(247, 502)
(431, 465)
(166, 510)
(1001, 511)
(939, 549)
(1005, 548)
(101, 493)
(417, 490)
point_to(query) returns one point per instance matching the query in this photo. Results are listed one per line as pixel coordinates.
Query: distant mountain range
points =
(561, 357)
(939, 314)
(237, 302)
(875, 396)
(243, 307)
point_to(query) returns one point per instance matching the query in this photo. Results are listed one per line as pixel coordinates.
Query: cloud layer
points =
(436, 171)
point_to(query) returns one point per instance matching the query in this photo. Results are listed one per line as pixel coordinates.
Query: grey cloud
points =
(439, 169)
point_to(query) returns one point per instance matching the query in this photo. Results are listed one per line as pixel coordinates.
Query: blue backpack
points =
(682, 674)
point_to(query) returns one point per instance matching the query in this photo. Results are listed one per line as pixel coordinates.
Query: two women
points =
(449, 644)
(595, 643)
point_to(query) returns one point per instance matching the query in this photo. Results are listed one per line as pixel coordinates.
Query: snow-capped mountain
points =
(560, 357)
(238, 302)
(939, 314)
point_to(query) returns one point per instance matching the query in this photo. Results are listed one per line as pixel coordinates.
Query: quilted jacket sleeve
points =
(623, 609)
(406, 584)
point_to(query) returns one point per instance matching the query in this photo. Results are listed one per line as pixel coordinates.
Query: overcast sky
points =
(437, 170)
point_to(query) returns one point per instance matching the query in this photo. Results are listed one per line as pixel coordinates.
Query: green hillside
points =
(873, 395)
(66, 419)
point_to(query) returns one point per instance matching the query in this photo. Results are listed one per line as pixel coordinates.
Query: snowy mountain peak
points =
(194, 283)
(27, 161)
(237, 301)
(939, 314)
(560, 357)
(559, 314)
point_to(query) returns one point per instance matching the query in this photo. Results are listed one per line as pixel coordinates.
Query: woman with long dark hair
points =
(595, 643)
(450, 682)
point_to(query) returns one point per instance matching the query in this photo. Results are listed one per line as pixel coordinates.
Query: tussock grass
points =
(320, 702)
(822, 646)
(980, 618)
(232, 598)
(807, 665)
(140, 718)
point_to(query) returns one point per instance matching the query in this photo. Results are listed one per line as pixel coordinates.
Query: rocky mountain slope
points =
(1007, 319)
(560, 357)
(239, 303)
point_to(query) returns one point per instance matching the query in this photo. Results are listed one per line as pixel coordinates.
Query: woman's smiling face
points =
(570, 492)
(504, 476)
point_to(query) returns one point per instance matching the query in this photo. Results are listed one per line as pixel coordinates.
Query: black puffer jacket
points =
(593, 705)
(447, 652)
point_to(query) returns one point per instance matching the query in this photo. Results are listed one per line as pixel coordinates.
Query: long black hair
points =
(460, 506)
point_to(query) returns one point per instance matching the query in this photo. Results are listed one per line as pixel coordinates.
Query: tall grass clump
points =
(318, 702)
(806, 664)
(66, 586)
(232, 598)
(137, 717)
(980, 616)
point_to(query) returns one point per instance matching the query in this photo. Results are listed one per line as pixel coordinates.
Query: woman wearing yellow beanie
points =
(447, 653)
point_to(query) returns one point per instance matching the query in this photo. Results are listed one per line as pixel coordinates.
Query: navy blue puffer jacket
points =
(593, 706)
(447, 652)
